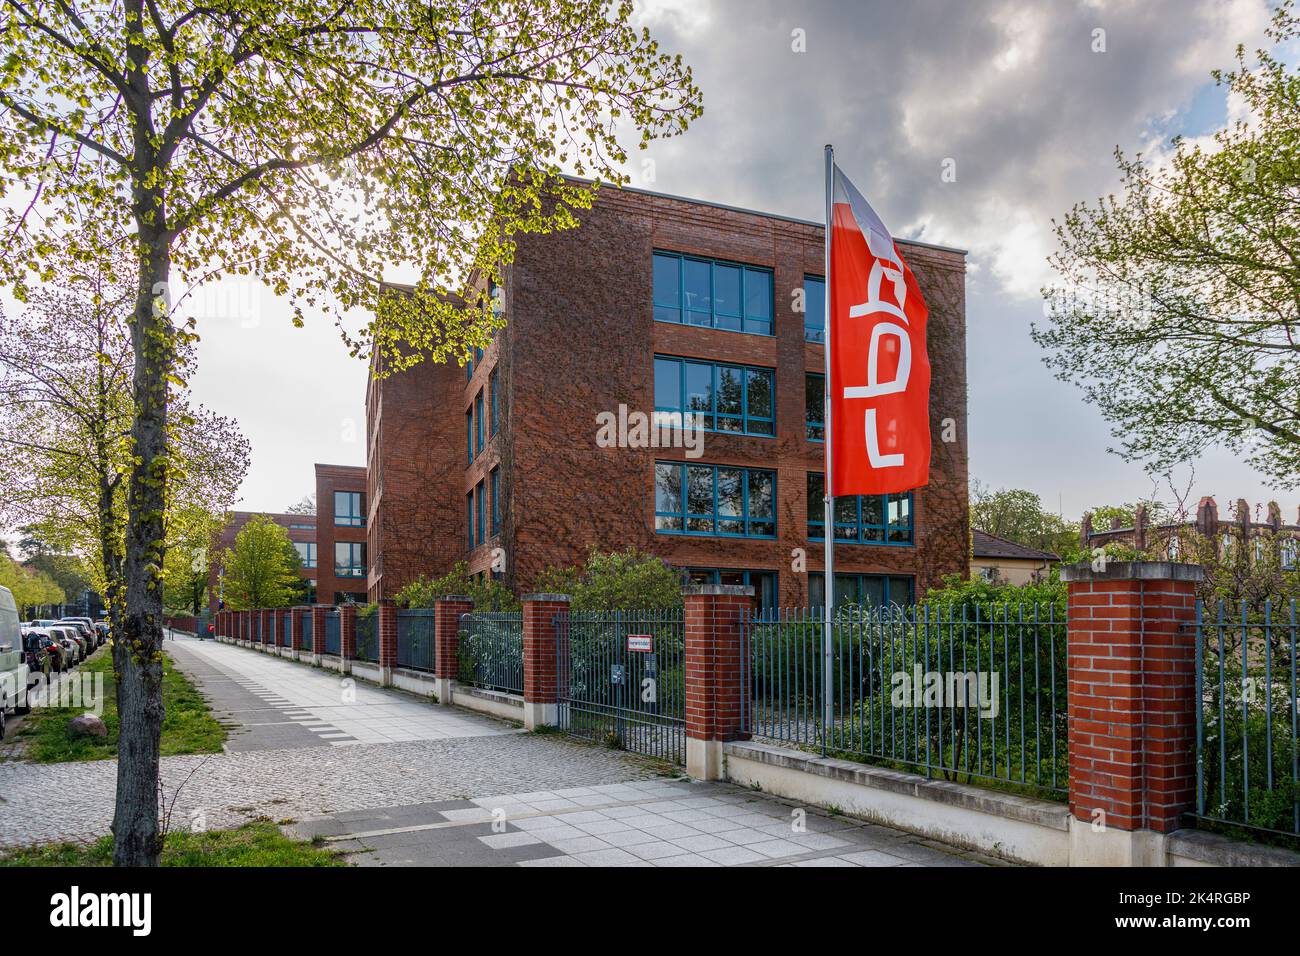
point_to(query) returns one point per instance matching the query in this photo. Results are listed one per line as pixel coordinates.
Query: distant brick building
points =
(342, 517)
(667, 307)
(302, 532)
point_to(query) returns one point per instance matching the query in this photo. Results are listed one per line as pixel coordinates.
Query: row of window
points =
(732, 501)
(715, 396)
(716, 294)
(477, 420)
(483, 506)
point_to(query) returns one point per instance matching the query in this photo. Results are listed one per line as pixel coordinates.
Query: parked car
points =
(102, 628)
(13, 662)
(53, 647)
(85, 629)
(40, 655)
(70, 639)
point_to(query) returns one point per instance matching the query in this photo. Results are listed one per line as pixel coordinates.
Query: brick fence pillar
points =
(243, 628)
(387, 641)
(541, 637)
(347, 637)
(266, 635)
(297, 618)
(1131, 668)
(447, 612)
(715, 636)
(318, 613)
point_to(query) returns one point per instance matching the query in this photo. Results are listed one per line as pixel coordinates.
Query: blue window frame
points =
(712, 293)
(478, 422)
(307, 551)
(720, 500)
(469, 434)
(870, 589)
(492, 401)
(763, 582)
(494, 479)
(861, 519)
(469, 516)
(478, 513)
(716, 397)
(814, 309)
(349, 559)
(814, 404)
(349, 510)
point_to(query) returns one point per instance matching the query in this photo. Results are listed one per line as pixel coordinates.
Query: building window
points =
(349, 559)
(763, 582)
(494, 480)
(307, 551)
(349, 509)
(349, 597)
(861, 519)
(478, 513)
(478, 422)
(874, 590)
(469, 434)
(492, 400)
(719, 295)
(715, 500)
(722, 398)
(1288, 554)
(302, 527)
(814, 404)
(814, 309)
(469, 517)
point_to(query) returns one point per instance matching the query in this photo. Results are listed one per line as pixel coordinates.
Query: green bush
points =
(489, 595)
(629, 580)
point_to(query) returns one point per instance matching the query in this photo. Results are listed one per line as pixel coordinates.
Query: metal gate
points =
(622, 679)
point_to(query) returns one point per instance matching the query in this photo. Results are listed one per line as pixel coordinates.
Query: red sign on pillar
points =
(880, 372)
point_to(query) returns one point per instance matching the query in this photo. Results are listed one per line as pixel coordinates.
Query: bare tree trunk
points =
(137, 657)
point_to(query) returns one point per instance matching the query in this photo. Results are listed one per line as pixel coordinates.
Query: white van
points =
(13, 662)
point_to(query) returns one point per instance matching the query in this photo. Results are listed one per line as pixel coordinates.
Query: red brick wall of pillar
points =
(446, 628)
(387, 633)
(1132, 693)
(267, 623)
(243, 625)
(318, 628)
(348, 632)
(714, 648)
(297, 616)
(541, 684)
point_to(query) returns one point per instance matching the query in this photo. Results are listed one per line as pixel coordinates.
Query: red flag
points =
(880, 373)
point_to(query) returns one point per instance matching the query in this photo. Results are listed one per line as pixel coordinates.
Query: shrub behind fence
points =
(968, 695)
(491, 650)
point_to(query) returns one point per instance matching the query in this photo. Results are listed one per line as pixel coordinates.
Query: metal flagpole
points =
(828, 530)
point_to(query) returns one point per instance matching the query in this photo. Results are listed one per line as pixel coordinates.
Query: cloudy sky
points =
(1015, 94)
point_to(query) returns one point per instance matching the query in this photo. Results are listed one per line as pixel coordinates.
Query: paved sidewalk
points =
(271, 703)
(664, 823)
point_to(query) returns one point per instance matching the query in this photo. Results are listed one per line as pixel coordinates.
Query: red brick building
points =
(663, 306)
(302, 532)
(342, 516)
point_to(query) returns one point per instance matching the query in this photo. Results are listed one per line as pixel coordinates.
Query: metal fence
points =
(491, 650)
(622, 679)
(308, 629)
(1248, 762)
(368, 635)
(970, 694)
(333, 633)
(415, 639)
(284, 621)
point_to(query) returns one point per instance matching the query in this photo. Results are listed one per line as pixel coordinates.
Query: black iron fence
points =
(415, 639)
(491, 650)
(970, 694)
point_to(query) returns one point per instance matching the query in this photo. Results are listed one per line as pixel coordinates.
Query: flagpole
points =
(828, 530)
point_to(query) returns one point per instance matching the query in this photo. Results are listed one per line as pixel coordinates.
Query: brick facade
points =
(581, 339)
(1132, 694)
(332, 588)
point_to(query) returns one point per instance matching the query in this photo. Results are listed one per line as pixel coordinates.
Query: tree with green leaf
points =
(488, 594)
(1018, 515)
(628, 580)
(262, 569)
(1176, 311)
(316, 146)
